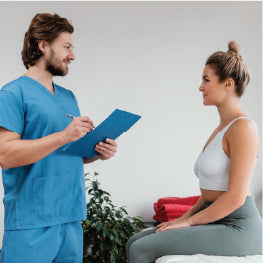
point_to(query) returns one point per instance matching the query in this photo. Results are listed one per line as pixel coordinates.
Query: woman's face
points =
(213, 91)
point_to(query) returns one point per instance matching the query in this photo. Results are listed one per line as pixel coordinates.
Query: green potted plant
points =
(107, 227)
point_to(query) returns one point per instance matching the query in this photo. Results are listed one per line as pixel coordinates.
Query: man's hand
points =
(78, 128)
(106, 149)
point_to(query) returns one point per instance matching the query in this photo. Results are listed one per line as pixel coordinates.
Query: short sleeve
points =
(76, 103)
(11, 112)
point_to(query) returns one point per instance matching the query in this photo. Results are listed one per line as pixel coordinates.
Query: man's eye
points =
(206, 80)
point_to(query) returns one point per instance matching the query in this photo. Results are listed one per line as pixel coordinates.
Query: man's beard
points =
(52, 66)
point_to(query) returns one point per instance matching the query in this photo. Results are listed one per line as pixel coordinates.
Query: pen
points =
(73, 117)
(70, 116)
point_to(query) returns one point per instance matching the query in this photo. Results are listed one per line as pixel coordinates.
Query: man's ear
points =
(42, 44)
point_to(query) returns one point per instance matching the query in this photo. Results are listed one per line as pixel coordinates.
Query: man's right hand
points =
(78, 128)
(16, 152)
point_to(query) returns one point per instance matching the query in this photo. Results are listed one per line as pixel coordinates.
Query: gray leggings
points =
(238, 234)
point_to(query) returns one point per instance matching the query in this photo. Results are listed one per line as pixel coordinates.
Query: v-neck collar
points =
(205, 147)
(43, 88)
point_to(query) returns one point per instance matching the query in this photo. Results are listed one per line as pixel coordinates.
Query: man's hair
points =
(42, 27)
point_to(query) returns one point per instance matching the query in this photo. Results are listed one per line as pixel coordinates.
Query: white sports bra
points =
(212, 164)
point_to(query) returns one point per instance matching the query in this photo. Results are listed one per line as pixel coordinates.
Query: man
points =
(44, 187)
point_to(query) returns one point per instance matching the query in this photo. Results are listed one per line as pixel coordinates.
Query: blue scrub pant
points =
(55, 244)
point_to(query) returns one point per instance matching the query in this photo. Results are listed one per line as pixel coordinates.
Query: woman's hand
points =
(174, 224)
(106, 149)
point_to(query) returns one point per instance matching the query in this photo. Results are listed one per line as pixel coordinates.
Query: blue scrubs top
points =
(52, 190)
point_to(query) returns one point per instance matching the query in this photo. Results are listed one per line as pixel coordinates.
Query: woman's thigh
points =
(211, 239)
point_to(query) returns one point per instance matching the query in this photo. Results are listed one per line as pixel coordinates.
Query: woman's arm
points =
(242, 139)
(198, 206)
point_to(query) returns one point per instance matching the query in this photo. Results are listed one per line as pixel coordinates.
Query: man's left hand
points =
(106, 149)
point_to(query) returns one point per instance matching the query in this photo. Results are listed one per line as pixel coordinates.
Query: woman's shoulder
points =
(242, 128)
(243, 123)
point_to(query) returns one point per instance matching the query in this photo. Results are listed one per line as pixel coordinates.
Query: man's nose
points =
(71, 55)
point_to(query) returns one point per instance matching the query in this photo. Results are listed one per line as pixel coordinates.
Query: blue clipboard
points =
(118, 122)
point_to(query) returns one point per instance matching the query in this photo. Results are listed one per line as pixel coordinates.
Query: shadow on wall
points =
(258, 201)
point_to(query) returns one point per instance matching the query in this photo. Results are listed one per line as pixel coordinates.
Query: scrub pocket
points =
(53, 195)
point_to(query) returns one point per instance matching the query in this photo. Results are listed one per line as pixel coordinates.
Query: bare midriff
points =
(211, 195)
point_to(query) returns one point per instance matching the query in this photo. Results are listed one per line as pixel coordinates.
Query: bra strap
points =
(228, 125)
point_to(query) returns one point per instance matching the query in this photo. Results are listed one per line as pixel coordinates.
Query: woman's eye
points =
(206, 80)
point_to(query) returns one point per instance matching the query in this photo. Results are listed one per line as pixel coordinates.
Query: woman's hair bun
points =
(234, 49)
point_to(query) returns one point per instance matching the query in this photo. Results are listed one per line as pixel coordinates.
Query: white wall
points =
(147, 58)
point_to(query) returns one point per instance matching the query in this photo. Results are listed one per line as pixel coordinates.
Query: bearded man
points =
(44, 187)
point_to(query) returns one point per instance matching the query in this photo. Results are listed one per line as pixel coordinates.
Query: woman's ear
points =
(229, 84)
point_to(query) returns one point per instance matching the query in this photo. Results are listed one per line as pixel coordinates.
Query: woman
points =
(225, 220)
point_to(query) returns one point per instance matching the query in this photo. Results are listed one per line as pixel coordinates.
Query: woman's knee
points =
(130, 241)
(128, 244)
(139, 235)
(140, 251)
